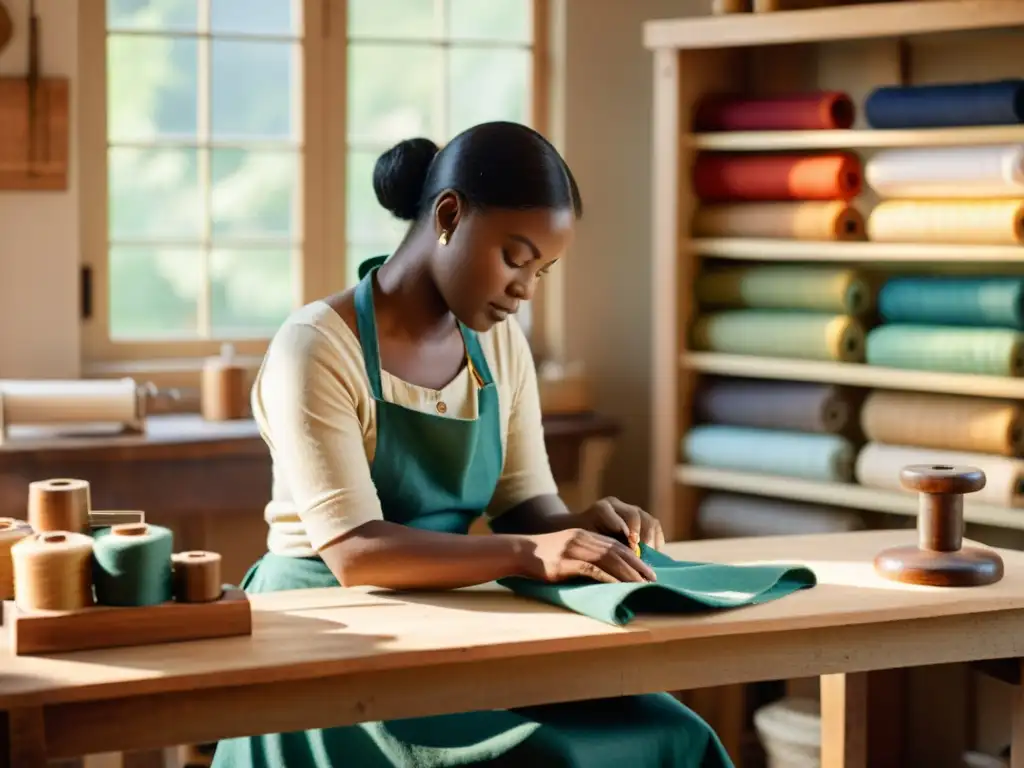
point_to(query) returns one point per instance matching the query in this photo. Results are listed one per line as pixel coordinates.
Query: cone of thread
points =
(53, 571)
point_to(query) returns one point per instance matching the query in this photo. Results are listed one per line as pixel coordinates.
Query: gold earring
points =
(443, 239)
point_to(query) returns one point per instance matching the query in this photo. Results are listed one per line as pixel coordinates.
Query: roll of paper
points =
(826, 176)
(968, 222)
(812, 111)
(948, 172)
(946, 105)
(803, 335)
(816, 289)
(825, 221)
(827, 458)
(879, 466)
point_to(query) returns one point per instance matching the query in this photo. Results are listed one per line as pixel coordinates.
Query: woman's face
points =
(494, 258)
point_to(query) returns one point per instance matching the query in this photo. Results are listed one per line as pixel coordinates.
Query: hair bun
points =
(400, 174)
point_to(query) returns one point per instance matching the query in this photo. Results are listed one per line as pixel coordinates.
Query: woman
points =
(400, 411)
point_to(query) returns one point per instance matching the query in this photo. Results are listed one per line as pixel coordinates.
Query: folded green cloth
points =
(681, 588)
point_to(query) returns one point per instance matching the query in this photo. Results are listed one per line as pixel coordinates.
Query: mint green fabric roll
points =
(828, 458)
(779, 333)
(681, 587)
(981, 351)
(132, 565)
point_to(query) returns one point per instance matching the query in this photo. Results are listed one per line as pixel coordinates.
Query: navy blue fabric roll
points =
(987, 302)
(998, 102)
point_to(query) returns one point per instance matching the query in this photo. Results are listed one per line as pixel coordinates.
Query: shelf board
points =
(854, 375)
(847, 495)
(763, 141)
(751, 249)
(850, 22)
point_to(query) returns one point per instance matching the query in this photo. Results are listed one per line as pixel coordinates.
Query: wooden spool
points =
(940, 559)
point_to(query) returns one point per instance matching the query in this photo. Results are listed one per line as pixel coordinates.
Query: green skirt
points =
(650, 731)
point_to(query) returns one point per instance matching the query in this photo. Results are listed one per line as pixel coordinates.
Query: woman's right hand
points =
(575, 552)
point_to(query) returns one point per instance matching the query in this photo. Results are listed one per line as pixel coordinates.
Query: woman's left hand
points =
(616, 518)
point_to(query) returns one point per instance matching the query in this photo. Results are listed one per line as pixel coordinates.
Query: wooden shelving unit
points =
(855, 49)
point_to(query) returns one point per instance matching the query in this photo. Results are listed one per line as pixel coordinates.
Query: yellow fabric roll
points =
(978, 222)
(944, 422)
(878, 466)
(834, 220)
(787, 287)
(769, 333)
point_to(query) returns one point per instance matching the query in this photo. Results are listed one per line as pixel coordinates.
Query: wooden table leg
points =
(844, 717)
(1017, 735)
(23, 738)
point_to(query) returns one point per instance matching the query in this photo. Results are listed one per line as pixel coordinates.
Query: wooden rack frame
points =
(854, 48)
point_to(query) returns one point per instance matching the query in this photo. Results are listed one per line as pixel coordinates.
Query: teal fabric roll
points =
(980, 351)
(828, 458)
(681, 587)
(992, 302)
(132, 565)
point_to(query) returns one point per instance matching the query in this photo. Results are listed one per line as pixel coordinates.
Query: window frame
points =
(322, 267)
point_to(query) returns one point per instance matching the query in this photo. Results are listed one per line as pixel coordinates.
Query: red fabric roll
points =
(830, 176)
(815, 111)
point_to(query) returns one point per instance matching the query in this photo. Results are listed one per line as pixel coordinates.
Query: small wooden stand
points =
(110, 627)
(940, 559)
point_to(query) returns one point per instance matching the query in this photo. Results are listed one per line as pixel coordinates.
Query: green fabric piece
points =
(681, 587)
(439, 473)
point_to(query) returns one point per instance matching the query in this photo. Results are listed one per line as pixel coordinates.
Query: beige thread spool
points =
(11, 532)
(53, 571)
(222, 391)
(197, 577)
(60, 504)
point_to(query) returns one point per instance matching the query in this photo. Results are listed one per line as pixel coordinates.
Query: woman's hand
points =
(575, 552)
(616, 518)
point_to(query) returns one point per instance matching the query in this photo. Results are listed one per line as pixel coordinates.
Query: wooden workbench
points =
(209, 481)
(328, 657)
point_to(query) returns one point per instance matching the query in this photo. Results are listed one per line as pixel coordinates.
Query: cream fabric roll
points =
(878, 466)
(948, 172)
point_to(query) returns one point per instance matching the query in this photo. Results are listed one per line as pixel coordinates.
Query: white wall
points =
(39, 251)
(605, 132)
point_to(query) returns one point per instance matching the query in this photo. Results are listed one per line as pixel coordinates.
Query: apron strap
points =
(477, 360)
(366, 325)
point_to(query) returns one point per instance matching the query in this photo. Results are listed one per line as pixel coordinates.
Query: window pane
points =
(152, 14)
(393, 18)
(254, 193)
(366, 221)
(393, 92)
(255, 17)
(154, 194)
(152, 87)
(253, 90)
(507, 20)
(488, 84)
(250, 291)
(357, 254)
(154, 292)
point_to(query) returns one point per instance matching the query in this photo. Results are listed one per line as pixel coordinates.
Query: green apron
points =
(439, 473)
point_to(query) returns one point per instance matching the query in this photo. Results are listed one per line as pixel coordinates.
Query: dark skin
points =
(477, 266)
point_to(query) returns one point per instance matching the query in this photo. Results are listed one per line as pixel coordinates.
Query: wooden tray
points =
(114, 627)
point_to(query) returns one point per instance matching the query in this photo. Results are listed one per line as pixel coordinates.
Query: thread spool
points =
(197, 577)
(132, 565)
(940, 559)
(222, 391)
(59, 504)
(53, 571)
(11, 532)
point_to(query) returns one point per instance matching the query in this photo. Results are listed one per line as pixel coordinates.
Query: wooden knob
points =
(942, 478)
(939, 559)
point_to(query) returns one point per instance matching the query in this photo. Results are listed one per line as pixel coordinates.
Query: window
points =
(425, 68)
(228, 147)
(203, 111)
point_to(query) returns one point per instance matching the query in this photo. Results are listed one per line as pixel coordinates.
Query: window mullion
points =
(204, 160)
